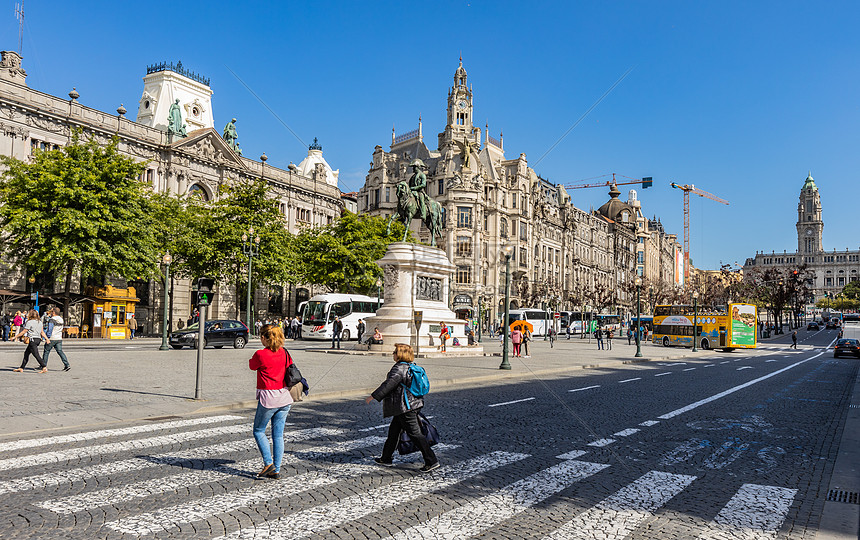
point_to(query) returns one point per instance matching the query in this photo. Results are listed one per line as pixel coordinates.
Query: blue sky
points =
(739, 98)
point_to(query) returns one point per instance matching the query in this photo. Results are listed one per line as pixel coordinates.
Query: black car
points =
(219, 332)
(813, 326)
(847, 346)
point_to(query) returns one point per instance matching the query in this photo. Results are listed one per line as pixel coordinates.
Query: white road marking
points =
(323, 517)
(683, 452)
(725, 455)
(689, 369)
(486, 512)
(511, 402)
(601, 442)
(710, 365)
(374, 428)
(619, 514)
(755, 512)
(626, 432)
(767, 361)
(101, 434)
(744, 367)
(573, 454)
(649, 423)
(726, 362)
(661, 374)
(630, 380)
(586, 388)
(732, 390)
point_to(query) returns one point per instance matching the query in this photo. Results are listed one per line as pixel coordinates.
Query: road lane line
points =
(649, 423)
(710, 365)
(630, 380)
(626, 432)
(601, 442)
(744, 367)
(755, 512)
(573, 454)
(661, 374)
(732, 390)
(488, 511)
(726, 362)
(135, 430)
(586, 388)
(510, 402)
(323, 517)
(689, 369)
(619, 514)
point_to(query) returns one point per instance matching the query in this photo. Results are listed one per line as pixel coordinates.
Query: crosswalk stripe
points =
(616, 516)
(755, 512)
(485, 512)
(167, 458)
(326, 516)
(101, 434)
(148, 488)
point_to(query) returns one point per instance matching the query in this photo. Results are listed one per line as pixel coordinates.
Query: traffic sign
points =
(556, 315)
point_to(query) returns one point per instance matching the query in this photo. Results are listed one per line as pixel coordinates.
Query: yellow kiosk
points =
(108, 315)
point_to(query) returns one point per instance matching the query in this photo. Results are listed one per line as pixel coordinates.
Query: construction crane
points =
(687, 189)
(646, 182)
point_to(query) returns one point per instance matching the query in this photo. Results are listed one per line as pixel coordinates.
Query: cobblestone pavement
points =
(720, 446)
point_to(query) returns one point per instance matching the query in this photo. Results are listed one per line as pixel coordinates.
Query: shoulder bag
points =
(292, 375)
(406, 445)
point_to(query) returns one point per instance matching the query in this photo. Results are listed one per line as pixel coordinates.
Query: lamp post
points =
(250, 247)
(34, 295)
(651, 300)
(506, 251)
(480, 316)
(167, 259)
(695, 320)
(378, 288)
(638, 316)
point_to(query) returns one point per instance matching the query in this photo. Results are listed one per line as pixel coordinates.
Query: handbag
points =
(26, 340)
(406, 445)
(292, 375)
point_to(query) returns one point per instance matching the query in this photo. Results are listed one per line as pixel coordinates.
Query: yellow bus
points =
(717, 329)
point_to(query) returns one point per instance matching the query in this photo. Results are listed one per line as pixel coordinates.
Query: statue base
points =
(417, 280)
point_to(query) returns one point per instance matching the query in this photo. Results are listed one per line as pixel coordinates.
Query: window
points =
(464, 246)
(503, 228)
(388, 194)
(828, 282)
(486, 223)
(485, 275)
(376, 194)
(840, 281)
(464, 275)
(513, 200)
(441, 184)
(640, 257)
(524, 257)
(524, 231)
(464, 217)
(809, 206)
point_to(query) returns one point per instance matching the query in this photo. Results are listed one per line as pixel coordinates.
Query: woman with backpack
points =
(403, 408)
(274, 399)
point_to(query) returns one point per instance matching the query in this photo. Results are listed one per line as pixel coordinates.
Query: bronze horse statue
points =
(409, 207)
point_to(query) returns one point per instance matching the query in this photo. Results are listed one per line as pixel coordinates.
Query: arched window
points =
(196, 190)
(503, 228)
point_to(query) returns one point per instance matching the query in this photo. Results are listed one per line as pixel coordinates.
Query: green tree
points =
(343, 255)
(852, 290)
(82, 208)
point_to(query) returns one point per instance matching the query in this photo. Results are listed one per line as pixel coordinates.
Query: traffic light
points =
(205, 291)
(647, 182)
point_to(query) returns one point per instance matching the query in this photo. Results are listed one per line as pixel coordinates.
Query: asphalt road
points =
(730, 445)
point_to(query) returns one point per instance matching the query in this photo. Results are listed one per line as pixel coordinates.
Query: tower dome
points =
(809, 183)
(616, 209)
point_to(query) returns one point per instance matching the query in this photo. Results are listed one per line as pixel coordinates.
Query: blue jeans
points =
(132, 333)
(278, 417)
(6, 330)
(335, 337)
(57, 346)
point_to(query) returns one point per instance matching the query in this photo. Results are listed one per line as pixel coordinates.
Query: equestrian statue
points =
(413, 202)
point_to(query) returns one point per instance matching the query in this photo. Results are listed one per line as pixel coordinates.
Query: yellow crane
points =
(687, 189)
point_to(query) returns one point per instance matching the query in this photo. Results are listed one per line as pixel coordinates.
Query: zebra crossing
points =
(196, 484)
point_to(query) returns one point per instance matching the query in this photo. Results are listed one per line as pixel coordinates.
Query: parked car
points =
(813, 326)
(847, 346)
(219, 332)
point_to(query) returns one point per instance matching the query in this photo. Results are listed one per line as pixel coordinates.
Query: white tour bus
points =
(320, 311)
(539, 319)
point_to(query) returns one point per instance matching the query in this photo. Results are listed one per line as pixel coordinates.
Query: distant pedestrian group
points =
(34, 331)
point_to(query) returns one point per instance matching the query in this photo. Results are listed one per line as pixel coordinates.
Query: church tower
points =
(458, 125)
(809, 224)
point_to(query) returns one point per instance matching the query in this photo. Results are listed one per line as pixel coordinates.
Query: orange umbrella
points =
(522, 326)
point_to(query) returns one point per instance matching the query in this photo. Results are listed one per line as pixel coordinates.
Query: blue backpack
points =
(420, 384)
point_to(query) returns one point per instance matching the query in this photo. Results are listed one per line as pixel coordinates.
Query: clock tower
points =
(459, 121)
(809, 224)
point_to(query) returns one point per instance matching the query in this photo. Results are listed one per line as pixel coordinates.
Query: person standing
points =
(568, 331)
(551, 333)
(55, 338)
(609, 336)
(598, 335)
(360, 329)
(794, 339)
(403, 408)
(35, 333)
(273, 398)
(443, 334)
(336, 330)
(630, 334)
(7, 325)
(527, 337)
(517, 340)
(17, 321)
(132, 325)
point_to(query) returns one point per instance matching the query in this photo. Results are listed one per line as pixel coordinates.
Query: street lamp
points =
(651, 299)
(167, 259)
(250, 247)
(34, 295)
(378, 287)
(480, 316)
(638, 283)
(695, 320)
(507, 251)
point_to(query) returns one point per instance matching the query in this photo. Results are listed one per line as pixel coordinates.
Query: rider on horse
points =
(418, 186)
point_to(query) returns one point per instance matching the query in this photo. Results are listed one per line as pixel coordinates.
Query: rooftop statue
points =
(231, 136)
(174, 121)
(413, 202)
(466, 148)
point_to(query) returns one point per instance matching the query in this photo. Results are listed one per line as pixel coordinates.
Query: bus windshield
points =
(315, 312)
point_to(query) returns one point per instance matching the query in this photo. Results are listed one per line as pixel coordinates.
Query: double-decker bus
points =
(320, 311)
(716, 329)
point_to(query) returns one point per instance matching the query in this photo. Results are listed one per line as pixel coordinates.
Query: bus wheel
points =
(705, 344)
(345, 335)
(665, 341)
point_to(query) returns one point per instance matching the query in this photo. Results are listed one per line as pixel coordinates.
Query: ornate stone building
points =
(563, 257)
(832, 270)
(199, 163)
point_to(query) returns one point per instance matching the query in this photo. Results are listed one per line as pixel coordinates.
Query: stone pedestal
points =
(417, 280)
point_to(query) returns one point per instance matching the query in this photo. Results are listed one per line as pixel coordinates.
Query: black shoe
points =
(430, 466)
(67, 368)
(380, 461)
(273, 475)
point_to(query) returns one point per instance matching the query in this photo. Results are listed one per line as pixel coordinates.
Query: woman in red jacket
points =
(275, 401)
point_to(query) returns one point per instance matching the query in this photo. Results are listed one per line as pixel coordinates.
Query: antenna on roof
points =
(19, 14)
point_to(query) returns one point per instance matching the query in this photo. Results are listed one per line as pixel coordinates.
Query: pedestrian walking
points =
(609, 336)
(336, 330)
(132, 325)
(794, 339)
(6, 322)
(55, 338)
(33, 333)
(630, 335)
(598, 335)
(568, 331)
(551, 333)
(443, 335)
(517, 340)
(527, 337)
(17, 322)
(403, 408)
(359, 329)
(273, 398)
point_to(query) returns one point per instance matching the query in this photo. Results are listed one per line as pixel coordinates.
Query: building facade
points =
(563, 257)
(199, 163)
(830, 270)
